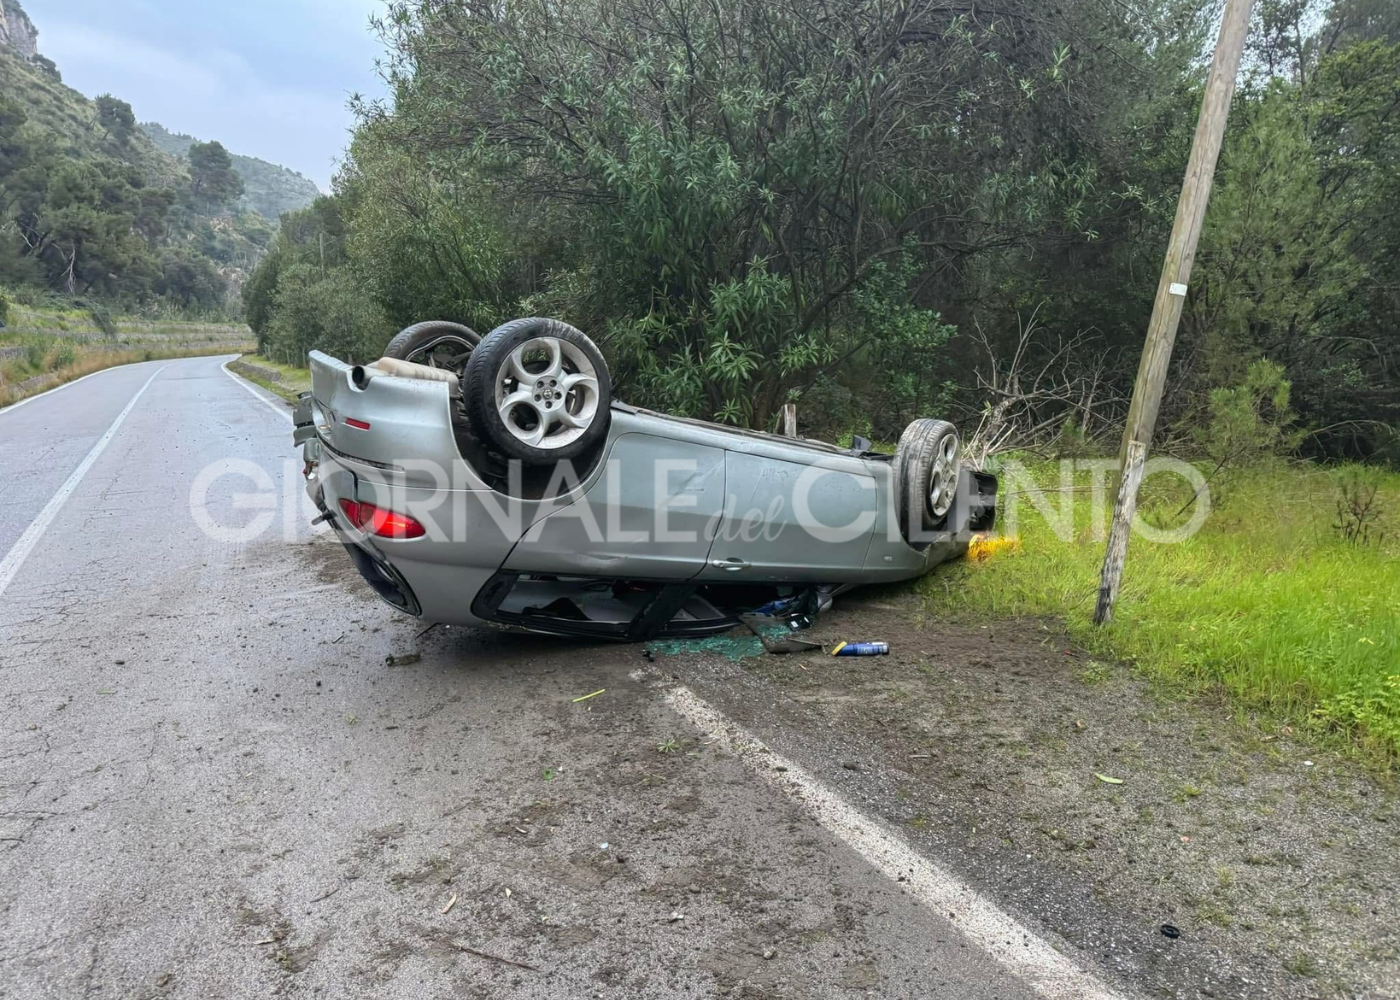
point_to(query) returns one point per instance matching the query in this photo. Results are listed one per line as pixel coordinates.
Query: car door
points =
(793, 522)
(651, 514)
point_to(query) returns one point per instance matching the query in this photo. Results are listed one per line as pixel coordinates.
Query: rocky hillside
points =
(33, 83)
(17, 32)
(268, 189)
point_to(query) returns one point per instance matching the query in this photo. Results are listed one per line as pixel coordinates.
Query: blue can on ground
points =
(861, 649)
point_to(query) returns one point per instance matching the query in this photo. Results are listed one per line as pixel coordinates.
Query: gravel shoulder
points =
(1279, 865)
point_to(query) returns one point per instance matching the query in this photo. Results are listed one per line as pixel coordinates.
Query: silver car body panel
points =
(723, 498)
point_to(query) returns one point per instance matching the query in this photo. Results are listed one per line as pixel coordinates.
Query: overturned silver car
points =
(494, 480)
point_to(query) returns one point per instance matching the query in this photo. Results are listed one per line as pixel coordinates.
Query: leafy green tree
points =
(428, 244)
(190, 280)
(327, 311)
(730, 206)
(856, 205)
(116, 118)
(214, 184)
(259, 294)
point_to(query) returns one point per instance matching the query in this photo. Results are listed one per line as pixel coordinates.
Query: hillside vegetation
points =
(877, 211)
(268, 189)
(71, 119)
(46, 345)
(92, 207)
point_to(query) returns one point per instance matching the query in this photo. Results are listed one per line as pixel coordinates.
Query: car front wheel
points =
(539, 390)
(926, 475)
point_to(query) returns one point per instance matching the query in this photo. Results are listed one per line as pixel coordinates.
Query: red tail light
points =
(378, 521)
(359, 425)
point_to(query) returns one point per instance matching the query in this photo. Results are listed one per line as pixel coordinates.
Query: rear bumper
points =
(387, 582)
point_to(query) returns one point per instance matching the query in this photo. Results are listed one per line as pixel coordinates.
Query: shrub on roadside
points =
(102, 319)
(36, 350)
(1360, 513)
(326, 311)
(62, 356)
(1249, 423)
(1369, 712)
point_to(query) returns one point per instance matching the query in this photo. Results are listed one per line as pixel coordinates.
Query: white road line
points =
(1024, 954)
(279, 410)
(40, 395)
(19, 552)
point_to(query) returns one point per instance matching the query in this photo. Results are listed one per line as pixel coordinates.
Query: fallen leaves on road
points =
(1107, 780)
(450, 903)
(587, 696)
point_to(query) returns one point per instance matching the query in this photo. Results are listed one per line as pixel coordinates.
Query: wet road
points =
(211, 785)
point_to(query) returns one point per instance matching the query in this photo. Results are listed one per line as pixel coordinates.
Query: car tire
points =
(926, 477)
(539, 390)
(437, 344)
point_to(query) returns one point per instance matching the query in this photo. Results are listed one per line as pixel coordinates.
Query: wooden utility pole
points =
(1171, 290)
(790, 420)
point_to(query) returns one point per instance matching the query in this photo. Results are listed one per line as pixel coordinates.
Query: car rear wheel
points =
(926, 475)
(437, 344)
(539, 390)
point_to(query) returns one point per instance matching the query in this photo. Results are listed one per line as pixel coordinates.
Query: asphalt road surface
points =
(212, 785)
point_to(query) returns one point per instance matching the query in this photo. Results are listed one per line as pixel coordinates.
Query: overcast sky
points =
(267, 78)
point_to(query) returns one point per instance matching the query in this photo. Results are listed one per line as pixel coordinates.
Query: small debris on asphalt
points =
(587, 696)
(496, 958)
(675, 917)
(507, 893)
(603, 846)
(770, 953)
(1169, 931)
(450, 903)
(163, 980)
(651, 657)
(407, 660)
(850, 765)
(1107, 780)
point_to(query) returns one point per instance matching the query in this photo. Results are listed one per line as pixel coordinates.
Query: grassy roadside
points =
(1267, 603)
(19, 380)
(46, 342)
(283, 380)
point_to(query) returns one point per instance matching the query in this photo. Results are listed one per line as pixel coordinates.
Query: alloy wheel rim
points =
(547, 393)
(943, 477)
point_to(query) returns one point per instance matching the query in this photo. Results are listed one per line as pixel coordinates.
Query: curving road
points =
(211, 785)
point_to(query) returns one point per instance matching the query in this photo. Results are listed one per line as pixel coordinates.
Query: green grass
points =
(1266, 603)
(63, 343)
(289, 382)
